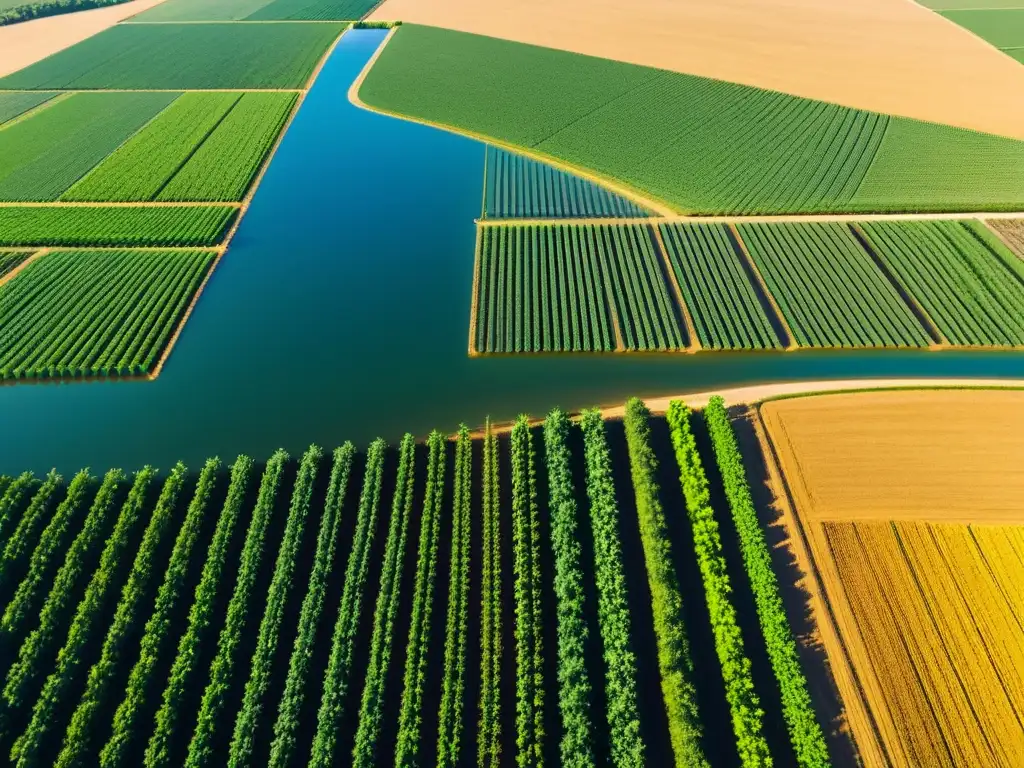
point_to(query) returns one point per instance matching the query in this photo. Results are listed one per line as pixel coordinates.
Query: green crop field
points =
(970, 285)
(42, 156)
(518, 187)
(955, 5)
(829, 289)
(257, 10)
(14, 104)
(557, 288)
(200, 10)
(224, 165)
(314, 10)
(1003, 28)
(97, 226)
(184, 57)
(726, 310)
(701, 145)
(95, 313)
(331, 609)
(10, 260)
(205, 146)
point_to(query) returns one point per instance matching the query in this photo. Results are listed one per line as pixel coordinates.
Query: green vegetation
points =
(828, 287)
(98, 226)
(726, 310)
(18, 548)
(717, 147)
(184, 57)
(13, 105)
(674, 658)
(516, 187)
(200, 10)
(117, 311)
(804, 731)
(574, 686)
(37, 10)
(314, 10)
(258, 10)
(450, 714)
(970, 285)
(1003, 27)
(11, 260)
(224, 166)
(736, 669)
(43, 155)
(141, 167)
(489, 729)
(526, 590)
(554, 288)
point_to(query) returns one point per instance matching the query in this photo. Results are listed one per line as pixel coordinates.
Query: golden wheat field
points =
(918, 565)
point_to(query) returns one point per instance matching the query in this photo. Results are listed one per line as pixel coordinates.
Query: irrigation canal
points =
(341, 312)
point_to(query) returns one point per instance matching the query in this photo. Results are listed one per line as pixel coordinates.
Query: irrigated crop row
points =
(115, 226)
(555, 288)
(968, 282)
(102, 676)
(517, 187)
(82, 313)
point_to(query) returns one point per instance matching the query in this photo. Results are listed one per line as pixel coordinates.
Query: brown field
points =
(914, 583)
(30, 41)
(890, 56)
(1011, 231)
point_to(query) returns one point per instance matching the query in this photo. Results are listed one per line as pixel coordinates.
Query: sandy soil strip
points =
(14, 272)
(891, 56)
(31, 41)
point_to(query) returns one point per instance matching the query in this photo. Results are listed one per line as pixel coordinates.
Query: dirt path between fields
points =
(31, 41)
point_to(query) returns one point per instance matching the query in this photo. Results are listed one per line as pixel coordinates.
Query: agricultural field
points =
(727, 311)
(1002, 27)
(105, 226)
(920, 541)
(518, 187)
(580, 288)
(117, 311)
(184, 57)
(256, 10)
(14, 104)
(282, 594)
(11, 260)
(1011, 231)
(707, 146)
(968, 282)
(828, 288)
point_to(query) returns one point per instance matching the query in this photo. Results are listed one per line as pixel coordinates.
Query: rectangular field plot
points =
(185, 57)
(828, 288)
(11, 260)
(518, 187)
(214, 142)
(97, 226)
(95, 313)
(726, 309)
(970, 285)
(937, 616)
(1002, 27)
(554, 288)
(1011, 231)
(42, 156)
(14, 104)
(200, 10)
(314, 10)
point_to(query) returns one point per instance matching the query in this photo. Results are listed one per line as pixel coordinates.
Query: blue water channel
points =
(341, 311)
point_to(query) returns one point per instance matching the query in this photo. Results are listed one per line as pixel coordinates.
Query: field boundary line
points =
(120, 204)
(776, 218)
(868, 740)
(243, 207)
(923, 317)
(474, 318)
(14, 272)
(33, 111)
(234, 21)
(763, 286)
(691, 328)
(1015, 250)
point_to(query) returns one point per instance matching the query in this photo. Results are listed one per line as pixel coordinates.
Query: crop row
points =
(517, 187)
(11, 260)
(117, 311)
(13, 104)
(103, 676)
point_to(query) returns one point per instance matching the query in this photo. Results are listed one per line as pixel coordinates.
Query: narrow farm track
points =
(21, 267)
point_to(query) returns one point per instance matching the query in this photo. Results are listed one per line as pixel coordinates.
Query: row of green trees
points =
(22, 541)
(489, 729)
(14, 493)
(38, 10)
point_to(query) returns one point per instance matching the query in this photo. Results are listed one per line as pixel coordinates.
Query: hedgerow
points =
(797, 708)
(736, 669)
(23, 540)
(10, 503)
(674, 659)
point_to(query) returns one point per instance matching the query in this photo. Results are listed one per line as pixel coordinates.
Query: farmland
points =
(97, 675)
(257, 10)
(902, 550)
(184, 57)
(117, 311)
(830, 292)
(100, 226)
(14, 104)
(10, 260)
(741, 153)
(572, 288)
(517, 187)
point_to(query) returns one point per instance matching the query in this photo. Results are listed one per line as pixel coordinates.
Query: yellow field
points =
(920, 607)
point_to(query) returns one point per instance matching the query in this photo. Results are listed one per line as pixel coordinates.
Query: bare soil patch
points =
(31, 41)
(891, 56)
